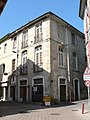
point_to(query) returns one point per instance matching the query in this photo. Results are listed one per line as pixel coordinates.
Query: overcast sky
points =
(18, 12)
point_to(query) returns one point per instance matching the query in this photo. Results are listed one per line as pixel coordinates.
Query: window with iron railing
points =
(24, 44)
(37, 68)
(61, 56)
(75, 62)
(24, 67)
(24, 39)
(38, 58)
(39, 36)
(13, 64)
(14, 42)
(73, 39)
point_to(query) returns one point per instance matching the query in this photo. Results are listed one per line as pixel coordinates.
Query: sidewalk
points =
(27, 111)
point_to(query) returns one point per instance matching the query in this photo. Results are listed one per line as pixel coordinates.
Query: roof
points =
(4, 38)
(42, 17)
(82, 8)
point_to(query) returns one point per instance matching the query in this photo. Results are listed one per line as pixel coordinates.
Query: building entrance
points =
(62, 85)
(23, 90)
(12, 92)
(37, 90)
(62, 93)
(76, 90)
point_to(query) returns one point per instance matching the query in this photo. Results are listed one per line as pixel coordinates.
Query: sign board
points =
(47, 98)
(86, 75)
(87, 83)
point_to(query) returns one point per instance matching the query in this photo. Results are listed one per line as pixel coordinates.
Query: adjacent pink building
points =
(84, 13)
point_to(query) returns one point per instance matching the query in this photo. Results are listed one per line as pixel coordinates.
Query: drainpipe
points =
(68, 65)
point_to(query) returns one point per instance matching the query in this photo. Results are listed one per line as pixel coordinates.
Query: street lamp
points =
(16, 51)
(16, 91)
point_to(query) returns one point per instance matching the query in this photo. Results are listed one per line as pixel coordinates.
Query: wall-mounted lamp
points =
(5, 74)
(51, 81)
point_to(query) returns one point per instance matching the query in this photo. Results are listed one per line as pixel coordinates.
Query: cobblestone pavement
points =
(20, 111)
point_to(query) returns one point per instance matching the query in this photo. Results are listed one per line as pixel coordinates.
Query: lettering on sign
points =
(86, 75)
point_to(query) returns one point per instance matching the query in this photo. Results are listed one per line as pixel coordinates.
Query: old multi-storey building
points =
(44, 57)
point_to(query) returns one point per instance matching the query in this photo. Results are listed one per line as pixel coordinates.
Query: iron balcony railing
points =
(23, 69)
(38, 38)
(37, 68)
(24, 44)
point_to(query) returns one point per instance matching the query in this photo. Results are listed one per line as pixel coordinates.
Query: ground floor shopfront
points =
(25, 91)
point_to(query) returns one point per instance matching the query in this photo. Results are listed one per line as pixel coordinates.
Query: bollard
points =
(83, 108)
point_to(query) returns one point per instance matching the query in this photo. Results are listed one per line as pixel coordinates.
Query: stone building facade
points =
(45, 57)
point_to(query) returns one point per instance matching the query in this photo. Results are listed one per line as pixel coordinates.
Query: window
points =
(62, 81)
(25, 39)
(38, 36)
(73, 38)
(38, 58)
(0, 50)
(24, 57)
(23, 82)
(13, 64)
(5, 46)
(61, 56)
(75, 65)
(14, 42)
(39, 55)
(13, 79)
(24, 63)
(38, 81)
(2, 68)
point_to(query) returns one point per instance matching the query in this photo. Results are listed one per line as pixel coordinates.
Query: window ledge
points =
(62, 67)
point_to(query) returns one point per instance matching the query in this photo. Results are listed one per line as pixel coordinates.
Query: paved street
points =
(26, 111)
